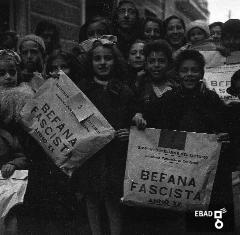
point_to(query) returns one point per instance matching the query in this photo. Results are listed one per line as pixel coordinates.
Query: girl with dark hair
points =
(175, 31)
(12, 156)
(154, 85)
(94, 27)
(152, 29)
(66, 62)
(103, 174)
(50, 35)
(126, 25)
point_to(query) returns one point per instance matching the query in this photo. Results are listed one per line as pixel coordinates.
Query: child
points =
(158, 60)
(197, 35)
(50, 35)
(32, 51)
(193, 108)
(152, 29)
(66, 62)
(103, 174)
(136, 62)
(11, 152)
(231, 35)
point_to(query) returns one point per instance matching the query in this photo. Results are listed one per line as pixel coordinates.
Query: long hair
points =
(119, 70)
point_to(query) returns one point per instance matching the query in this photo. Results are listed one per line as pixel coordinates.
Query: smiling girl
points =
(103, 174)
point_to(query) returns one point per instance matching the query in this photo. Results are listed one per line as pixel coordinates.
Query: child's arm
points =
(20, 162)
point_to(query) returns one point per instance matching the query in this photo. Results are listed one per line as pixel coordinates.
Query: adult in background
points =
(126, 25)
(32, 51)
(50, 35)
(174, 32)
(216, 32)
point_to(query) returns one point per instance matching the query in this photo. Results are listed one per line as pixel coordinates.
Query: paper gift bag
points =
(66, 123)
(170, 169)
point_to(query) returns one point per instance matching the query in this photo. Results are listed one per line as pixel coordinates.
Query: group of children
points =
(151, 77)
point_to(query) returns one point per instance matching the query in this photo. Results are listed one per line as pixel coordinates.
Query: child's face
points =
(157, 61)
(102, 61)
(216, 33)
(196, 35)
(31, 56)
(8, 73)
(96, 30)
(151, 30)
(136, 56)
(190, 73)
(47, 36)
(60, 64)
(175, 32)
(232, 41)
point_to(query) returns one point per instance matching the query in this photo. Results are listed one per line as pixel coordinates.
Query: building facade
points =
(23, 15)
(189, 10)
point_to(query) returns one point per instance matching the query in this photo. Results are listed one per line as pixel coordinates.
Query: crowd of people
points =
(143, 72)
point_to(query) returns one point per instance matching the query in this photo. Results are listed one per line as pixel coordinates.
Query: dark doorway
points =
(99, 7)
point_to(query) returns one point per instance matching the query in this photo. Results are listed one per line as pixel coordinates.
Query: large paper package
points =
(12, 191)
(170, 169)
(213, 58)
(218, 79)
(66, 123)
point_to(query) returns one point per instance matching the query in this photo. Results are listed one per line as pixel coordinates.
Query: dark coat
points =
(201, 111)
(49, 196)
(11, 150)
(104, 172)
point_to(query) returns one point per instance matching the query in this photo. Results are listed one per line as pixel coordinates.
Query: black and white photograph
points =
(119, 117)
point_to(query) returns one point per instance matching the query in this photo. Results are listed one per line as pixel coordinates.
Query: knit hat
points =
(6, 53)
(231, 26)
(34, 38)
(198, 24)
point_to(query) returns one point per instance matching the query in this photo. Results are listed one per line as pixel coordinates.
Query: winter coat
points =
(200, 111)
(49, 196)
(104, 172)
